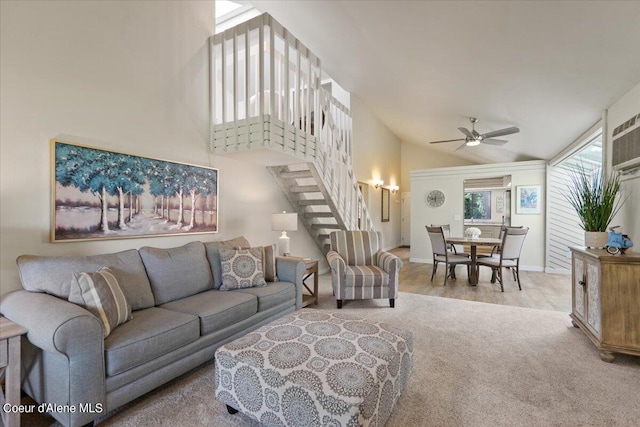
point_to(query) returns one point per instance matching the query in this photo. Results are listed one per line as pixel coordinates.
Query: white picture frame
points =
(528, 199)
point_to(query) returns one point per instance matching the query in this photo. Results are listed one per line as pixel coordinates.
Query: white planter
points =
(595, 239)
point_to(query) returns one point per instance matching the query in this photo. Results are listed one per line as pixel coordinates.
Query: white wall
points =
(376, 155)
(125, 76)
(629, 217)
(451, 182)
(418, 157)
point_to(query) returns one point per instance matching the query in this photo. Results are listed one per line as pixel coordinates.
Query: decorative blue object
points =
(617, 242)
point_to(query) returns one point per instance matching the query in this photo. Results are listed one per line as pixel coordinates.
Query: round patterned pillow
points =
(241, 268)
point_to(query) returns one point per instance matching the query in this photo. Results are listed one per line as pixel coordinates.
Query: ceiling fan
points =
(472, 137)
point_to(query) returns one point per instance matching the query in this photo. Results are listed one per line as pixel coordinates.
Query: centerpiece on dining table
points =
(472, 233)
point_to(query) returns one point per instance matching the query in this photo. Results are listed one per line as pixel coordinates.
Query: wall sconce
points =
(378, 184)
(394, 188)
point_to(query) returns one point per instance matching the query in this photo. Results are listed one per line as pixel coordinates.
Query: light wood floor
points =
(539, 290)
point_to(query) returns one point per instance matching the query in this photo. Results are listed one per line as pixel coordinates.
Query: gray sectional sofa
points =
(179, 319)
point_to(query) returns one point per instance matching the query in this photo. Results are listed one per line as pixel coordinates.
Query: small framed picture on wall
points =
(528, 199)
(385, 205)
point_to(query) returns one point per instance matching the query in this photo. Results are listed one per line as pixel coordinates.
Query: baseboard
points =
(557, 271)
(522, 267)
(388, 248)
(531, 268)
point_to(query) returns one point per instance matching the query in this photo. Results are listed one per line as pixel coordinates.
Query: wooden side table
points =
(10, 334)
(311, 269)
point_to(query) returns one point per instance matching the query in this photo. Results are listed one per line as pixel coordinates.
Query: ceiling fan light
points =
(473, 143)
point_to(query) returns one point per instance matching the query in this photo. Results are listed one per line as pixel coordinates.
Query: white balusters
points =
(266, 92)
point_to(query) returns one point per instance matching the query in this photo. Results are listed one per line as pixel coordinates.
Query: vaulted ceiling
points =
(424, 67)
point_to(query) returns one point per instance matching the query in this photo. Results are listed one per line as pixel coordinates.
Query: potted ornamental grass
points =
(595, 197)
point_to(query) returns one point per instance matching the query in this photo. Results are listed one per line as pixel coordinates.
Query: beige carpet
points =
(476, 364)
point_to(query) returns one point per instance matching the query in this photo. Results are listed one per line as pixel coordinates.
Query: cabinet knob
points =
(582, 283)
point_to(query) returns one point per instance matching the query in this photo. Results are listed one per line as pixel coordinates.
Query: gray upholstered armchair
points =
(360, 269)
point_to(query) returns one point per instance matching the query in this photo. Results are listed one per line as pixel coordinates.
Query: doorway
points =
(405, 231)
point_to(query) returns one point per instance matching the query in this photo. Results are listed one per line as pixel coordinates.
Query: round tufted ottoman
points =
(315, 368)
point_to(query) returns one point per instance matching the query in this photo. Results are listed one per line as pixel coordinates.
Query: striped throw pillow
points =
(269, 263)
(100, 293)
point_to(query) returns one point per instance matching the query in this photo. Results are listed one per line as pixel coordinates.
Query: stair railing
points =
(265, 92)
(335, 164)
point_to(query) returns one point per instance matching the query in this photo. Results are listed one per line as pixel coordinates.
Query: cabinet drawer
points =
(3, 353)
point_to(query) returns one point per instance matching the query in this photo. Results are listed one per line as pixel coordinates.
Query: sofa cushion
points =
(176, 273)
(216, 309)
(241, 268)
(150, 334)
(272, 295)
(99, 292)
(54, 274)
(213, 255)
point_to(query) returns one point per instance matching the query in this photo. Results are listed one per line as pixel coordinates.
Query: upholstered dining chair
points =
(509, 256)
(446, 229)
(496, 249)
(360, 269)
(441, 254)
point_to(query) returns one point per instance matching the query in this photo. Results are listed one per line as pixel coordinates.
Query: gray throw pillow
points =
(241, 268)
(213, 255)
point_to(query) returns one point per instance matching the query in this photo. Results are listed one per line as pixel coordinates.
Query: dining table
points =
(474, 243)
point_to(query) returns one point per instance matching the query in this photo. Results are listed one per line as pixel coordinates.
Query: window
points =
(477, 205)
(231, 13)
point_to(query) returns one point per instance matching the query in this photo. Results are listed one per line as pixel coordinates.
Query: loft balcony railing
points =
(266, 89)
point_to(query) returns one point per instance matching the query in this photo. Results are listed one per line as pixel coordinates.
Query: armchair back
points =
(357, 247)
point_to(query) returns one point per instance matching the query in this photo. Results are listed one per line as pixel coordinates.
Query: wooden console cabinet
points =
(606, 300)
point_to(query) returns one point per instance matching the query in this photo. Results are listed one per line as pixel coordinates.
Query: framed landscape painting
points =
(99, 194)
(528, 199)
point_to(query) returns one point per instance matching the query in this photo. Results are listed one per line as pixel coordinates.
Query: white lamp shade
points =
(284, 222)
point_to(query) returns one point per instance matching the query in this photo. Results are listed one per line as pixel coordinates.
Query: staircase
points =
(305, 190)
(308, 154)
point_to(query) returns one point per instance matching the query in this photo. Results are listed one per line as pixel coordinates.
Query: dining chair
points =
(446, 229)
(509, 256)
(442, 254)
(496, 249)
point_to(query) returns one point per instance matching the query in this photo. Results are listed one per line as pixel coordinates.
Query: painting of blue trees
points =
(101, 194)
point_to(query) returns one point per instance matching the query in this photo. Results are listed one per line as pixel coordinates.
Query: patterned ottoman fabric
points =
(313, 368)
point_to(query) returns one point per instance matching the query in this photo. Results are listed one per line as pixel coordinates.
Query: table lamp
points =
(284, 222)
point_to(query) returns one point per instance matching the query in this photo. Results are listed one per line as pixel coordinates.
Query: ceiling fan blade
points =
(461, 147)
(501, 132)
(466, 131)
(492, 141)
(447, 140)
